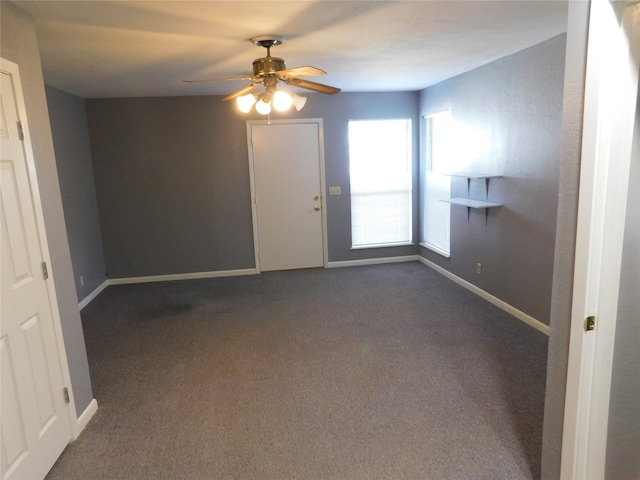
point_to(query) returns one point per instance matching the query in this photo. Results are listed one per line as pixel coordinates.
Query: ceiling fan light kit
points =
(280, 101)
(268, 71)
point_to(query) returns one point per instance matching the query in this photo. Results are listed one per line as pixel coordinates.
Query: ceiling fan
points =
(268, 71)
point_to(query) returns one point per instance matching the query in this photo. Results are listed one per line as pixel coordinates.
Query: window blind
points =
(380, 159)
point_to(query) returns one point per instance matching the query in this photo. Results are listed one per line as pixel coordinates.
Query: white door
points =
(286, 163)
(34, 417)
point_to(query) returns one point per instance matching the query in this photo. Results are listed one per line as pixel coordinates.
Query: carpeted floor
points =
(376, 372)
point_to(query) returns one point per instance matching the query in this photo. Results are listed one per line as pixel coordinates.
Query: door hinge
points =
(590, 324)
(45, 270)
(20, 130)
(65, 392)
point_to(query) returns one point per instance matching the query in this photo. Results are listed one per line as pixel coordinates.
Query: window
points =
(436, 161)
(380, 167)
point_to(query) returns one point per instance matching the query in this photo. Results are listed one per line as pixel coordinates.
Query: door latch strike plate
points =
(590, 323)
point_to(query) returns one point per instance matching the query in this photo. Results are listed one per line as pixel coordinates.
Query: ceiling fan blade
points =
(241, 92)
(217, 79)
(301, 72)
(317, 87)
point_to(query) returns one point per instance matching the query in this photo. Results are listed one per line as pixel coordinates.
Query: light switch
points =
(334, 190)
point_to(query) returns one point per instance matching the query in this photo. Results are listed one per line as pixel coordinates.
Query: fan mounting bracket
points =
(268, 41)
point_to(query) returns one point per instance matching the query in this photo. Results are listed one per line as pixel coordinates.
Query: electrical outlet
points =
(479, 268)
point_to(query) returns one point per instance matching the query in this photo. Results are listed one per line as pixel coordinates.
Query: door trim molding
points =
(323, 188)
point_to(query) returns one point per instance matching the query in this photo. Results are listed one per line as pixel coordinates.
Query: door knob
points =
(316, 198)
(316, 208)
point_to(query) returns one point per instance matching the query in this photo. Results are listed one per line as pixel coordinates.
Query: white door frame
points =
(13, 70)
(254, 213)
(609, 115)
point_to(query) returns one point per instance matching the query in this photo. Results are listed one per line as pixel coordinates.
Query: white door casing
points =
(287, 185)
(609, 111)
(36, 421)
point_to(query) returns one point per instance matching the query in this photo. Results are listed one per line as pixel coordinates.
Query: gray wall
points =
(19, 45)
(172, 179)
(516, 102)
(172, 185)
(75, 171)
(623, 435)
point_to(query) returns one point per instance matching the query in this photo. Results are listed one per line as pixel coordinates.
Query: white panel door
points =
(34, 417)
(286, 164)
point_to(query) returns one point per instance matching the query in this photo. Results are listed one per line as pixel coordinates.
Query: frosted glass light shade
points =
(298, 101)
(282, 101)
(246, 102)
(263, 107)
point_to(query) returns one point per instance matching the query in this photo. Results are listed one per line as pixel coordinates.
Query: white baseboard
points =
(529, 320)
(163, 278)
(183, 276)
(88, 299)
(373, 261)
(83, 419)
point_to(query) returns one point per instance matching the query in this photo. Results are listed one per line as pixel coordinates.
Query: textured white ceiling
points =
(97, 49)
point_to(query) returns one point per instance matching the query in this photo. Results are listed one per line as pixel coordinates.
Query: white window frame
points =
(396, 179)
(435, 229)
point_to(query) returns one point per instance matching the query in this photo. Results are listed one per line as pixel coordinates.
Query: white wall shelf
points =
(475, 176)
(471, 203)
(476, 204)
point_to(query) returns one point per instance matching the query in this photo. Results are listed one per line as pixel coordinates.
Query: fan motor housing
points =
(267, 65)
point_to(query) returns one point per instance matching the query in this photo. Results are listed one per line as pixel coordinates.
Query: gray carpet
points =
(376, 372)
